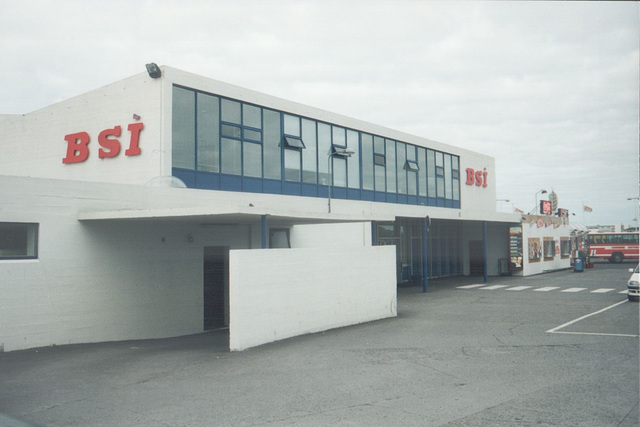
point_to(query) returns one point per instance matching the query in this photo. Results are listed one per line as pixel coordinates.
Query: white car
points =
(632, 285)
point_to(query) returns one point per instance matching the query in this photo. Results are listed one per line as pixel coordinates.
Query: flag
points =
(587, 209)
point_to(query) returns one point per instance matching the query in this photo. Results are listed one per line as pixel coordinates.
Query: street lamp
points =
(340, 152)
(535, 207)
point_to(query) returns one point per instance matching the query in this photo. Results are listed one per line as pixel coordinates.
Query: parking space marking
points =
(518, 288)
(547, 288)
(574, 290)
(556, 330)
(469, 286)
(492, 287)
(602, 290)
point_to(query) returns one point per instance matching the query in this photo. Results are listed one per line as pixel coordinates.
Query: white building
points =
(100, 240)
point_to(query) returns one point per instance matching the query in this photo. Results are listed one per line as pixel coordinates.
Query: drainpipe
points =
(425, 258)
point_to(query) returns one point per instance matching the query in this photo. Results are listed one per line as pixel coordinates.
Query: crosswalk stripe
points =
(547, 288)
(574, 290)
(469, 286)
(624, 292)
(602, 290)
(518, 288)
(491, 288)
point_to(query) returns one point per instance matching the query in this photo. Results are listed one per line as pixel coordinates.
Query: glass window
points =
(208, 133)
(431, 173)
(232, 131)
(353, 161)
(292, 165)
(183, 129)
(549, 249)
(231, 156)
(391, 166)
(231, 111)
(251, 116)
(253, 135)
(310, 155)
(271, 144)
(380, 178)
(291, 125)
(367, 161)
(252, 157)
(324, 151)
(412, 182)
(411, 166)
(293, 142)
(339, 171)
(422, 174)
(18, 240)
(339, 138)
(401, 153)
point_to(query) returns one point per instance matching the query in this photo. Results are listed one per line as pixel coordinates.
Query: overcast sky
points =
(550, 89)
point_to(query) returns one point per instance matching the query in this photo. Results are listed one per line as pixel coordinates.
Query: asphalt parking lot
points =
(554, 349)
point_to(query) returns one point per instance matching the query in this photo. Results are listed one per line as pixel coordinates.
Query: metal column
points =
(425, 258)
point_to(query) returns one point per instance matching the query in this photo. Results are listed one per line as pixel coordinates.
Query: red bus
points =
(615, 247)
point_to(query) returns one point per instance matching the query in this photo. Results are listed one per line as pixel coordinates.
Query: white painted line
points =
(574, 290)
(518, 288)
(596, 333)
(557, 328)
(602, 290)
(469, 286)
(626, 291)
(546, 288)
(492, 287)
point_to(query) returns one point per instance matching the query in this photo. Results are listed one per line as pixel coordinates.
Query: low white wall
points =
(331, 235)
(290, 292)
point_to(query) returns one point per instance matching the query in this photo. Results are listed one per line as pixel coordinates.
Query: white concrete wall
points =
(541, 227)
(311, 290)
(34, 144)
(331, 235)
(99, 281)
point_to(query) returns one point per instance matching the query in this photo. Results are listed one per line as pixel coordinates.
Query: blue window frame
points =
(217, 136)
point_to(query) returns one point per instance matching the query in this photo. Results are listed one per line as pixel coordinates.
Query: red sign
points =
(477, 178)
(78, 143)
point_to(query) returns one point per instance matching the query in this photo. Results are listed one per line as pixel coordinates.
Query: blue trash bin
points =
(578, 265)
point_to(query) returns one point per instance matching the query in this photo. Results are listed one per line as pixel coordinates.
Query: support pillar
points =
(425, 258)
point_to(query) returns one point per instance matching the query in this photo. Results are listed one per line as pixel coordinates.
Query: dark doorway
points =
(215, 287)
(476, 258)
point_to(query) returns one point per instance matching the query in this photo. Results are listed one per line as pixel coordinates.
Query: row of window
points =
(613, 239)
(218, 135)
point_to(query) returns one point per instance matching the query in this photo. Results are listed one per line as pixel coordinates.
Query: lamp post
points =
(535, 207)
(340, 152)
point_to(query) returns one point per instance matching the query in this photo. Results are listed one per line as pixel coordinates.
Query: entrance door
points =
(476, 257)
(215, 287)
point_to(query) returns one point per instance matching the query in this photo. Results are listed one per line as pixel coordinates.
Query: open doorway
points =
(476, 258)
(216, 287)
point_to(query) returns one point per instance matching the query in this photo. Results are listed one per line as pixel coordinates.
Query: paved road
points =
(514, 355)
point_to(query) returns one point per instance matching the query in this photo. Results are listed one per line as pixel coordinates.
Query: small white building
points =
(168, 204)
